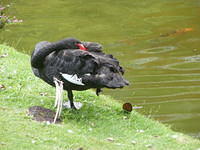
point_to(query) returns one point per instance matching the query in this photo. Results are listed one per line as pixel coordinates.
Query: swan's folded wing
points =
(70, 62)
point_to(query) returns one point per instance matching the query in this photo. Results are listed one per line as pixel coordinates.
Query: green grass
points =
(89, 128)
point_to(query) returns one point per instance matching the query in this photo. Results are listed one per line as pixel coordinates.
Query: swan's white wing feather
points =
(72, 78)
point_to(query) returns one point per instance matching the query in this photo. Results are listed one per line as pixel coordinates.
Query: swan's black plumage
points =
(97, 69)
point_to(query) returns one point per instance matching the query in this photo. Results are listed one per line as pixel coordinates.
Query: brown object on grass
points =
(42, 114)
(127, 107)
(2, 87)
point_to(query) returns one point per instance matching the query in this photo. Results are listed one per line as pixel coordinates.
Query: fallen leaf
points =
(2, 87)
(70, 131)
(92, 124)
(133, 142)
(119, 144)
(174, 136)
(4, 55)
(43, 94)
(125, 117)
(110, 139)
(148, 145)
(2, 143)
(33, 141)
(141, 131)
(156, 136)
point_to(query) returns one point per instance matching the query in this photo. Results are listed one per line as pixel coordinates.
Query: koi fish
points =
(175, 32)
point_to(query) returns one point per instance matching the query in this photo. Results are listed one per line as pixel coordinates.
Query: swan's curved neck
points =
(43, 49)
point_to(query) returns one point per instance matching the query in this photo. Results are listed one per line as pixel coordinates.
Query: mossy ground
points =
(99, 125)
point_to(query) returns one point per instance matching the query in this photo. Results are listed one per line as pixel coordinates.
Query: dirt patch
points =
(42, 114)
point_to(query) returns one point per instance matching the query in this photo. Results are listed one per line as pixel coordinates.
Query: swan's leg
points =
(59, 97)
(98, 90)
(71, 104)
(71, 99)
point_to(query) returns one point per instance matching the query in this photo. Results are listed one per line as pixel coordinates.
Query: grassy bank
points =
(99, 125)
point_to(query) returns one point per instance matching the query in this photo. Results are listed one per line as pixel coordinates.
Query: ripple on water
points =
(138, 62)
(146, 102)
(195, 58)
(157, 50)
(160, 19)
(175, 117)
(183, 66)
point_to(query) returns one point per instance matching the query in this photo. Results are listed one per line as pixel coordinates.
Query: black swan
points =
(76, 65)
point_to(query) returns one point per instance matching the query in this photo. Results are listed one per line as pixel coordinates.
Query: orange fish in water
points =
(179, 31)
(184, 30)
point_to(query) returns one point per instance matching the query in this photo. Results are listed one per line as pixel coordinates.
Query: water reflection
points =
(157, 50)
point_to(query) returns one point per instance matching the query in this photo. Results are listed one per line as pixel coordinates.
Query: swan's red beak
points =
(81, 47)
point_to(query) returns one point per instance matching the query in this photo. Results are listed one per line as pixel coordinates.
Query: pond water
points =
(157, 41)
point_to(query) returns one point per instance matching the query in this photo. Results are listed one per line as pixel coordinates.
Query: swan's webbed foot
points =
(71, 104)
(74, 105)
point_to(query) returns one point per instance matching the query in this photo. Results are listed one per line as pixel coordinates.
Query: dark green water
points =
(157, 41)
